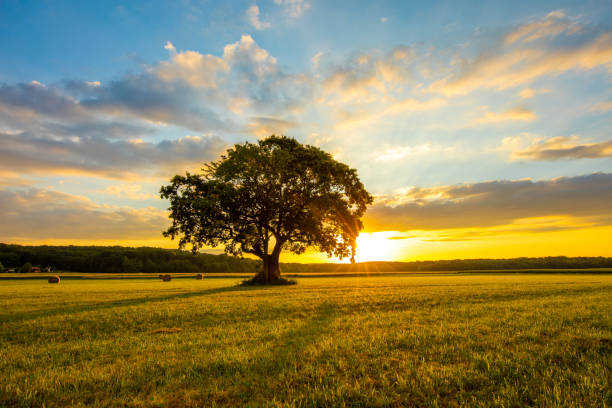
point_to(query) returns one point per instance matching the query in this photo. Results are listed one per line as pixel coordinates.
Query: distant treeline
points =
(116, 259)
(98, 259)
(552, 262)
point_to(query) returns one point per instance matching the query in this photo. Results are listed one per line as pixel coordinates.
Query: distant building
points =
(35, 269)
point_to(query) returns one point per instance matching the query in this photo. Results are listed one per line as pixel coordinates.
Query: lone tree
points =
(265, 197)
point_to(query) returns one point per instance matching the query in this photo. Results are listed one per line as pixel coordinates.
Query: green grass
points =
(476, 340)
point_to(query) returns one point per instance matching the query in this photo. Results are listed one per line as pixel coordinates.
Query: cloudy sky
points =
(483, 130)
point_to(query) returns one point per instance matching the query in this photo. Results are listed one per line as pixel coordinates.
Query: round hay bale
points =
(166, 278)
(199, 276)
(54, 279)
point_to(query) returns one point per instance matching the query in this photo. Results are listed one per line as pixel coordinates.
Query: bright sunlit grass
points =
(502, 340)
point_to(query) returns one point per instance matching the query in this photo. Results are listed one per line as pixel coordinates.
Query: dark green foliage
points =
(262, 198)
(9, 257)
(26, 268)
(97, 259)
(1, 267)
(258, 281)
(556, 262)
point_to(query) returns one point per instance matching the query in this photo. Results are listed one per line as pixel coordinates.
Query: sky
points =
(483, 129)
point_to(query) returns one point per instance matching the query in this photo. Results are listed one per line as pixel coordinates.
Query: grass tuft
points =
(167, 330)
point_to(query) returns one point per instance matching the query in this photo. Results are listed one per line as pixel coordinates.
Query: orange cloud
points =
(603, 106)
(551, 26)
(518, 113)
(563, 147)
(262, 127)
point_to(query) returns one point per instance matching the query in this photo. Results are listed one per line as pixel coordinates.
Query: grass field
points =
(438, 340)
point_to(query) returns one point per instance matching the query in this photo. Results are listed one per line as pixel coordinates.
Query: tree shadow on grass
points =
(281, 355)
(25, 316)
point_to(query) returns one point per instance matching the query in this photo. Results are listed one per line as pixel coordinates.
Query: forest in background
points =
(117, 259)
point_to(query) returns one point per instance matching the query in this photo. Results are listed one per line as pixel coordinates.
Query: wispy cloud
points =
(253, 16)
(528, 93)
(603, 106)
(550, 26)
(131, 191)
(517, 113)
(527, 53)
(564, 147)
(401, 152)
(146, 121)
(293, 8)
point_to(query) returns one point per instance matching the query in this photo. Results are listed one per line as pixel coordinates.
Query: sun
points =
(376, 246)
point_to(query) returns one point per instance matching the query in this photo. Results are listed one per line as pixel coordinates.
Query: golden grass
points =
(463, 340)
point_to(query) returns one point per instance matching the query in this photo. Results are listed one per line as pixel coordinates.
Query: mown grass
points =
(481, 340)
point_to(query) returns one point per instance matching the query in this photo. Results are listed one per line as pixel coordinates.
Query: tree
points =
(261, 198)
(26, 268)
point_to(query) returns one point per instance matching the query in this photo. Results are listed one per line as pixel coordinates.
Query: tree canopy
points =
(261, 198)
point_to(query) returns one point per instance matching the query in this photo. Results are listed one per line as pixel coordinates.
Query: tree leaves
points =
(276, 193)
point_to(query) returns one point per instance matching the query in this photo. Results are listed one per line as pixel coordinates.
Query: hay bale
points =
(54, 279)
(166, 278)
(199, 276)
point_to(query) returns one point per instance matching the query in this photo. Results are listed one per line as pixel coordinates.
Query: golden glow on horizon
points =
(509, 241)
(495, 242)
(376, 246)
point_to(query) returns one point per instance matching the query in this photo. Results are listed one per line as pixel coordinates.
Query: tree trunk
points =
(273, 268)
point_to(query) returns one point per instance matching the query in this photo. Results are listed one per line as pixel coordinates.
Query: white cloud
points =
(198, 70)
(247, 58)
(293, 8)
(170, 47)
(253, 15)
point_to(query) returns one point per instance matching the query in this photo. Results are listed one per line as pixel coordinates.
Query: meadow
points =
(414, 340)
